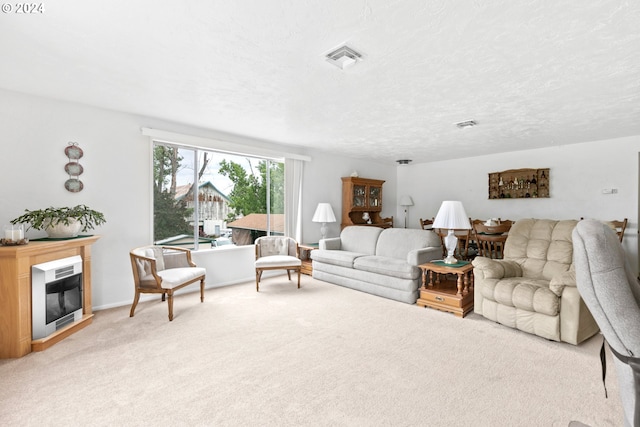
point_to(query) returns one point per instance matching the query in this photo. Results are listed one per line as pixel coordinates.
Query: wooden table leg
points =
(466, 284)
(459, 284)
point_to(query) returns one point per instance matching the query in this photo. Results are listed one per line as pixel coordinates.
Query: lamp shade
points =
(406, 201)
(452, 216)
(324, 213)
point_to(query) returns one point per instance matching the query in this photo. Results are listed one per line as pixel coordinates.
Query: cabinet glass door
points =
(358, 196)
(374, 197)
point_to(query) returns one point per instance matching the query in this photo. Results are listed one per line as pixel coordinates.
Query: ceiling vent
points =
(403, 162)
(466, 124)
(343, 57)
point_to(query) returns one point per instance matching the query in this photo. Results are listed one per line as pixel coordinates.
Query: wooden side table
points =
(453, 297)
(305, 257)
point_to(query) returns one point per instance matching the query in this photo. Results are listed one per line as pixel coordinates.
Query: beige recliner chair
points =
(533, 288)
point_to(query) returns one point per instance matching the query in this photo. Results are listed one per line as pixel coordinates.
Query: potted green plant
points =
(62, 222)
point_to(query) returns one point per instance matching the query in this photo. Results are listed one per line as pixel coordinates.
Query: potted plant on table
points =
(62, 222)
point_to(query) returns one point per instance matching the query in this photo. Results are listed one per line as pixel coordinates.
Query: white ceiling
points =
(531, 73)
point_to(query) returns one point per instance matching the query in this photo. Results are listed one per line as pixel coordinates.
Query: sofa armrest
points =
(558, 282)
(423, 255)
(332, 243)
(487, 268)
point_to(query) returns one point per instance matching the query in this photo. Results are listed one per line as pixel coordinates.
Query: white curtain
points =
(293, 198)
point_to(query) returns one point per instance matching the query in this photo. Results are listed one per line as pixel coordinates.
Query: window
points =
(205, 198)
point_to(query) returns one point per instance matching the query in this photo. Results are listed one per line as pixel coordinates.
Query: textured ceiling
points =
(531, 73)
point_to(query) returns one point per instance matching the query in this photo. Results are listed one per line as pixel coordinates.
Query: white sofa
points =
(382, 262)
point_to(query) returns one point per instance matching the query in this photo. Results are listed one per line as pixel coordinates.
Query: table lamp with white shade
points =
(324, 214)
(451, 216)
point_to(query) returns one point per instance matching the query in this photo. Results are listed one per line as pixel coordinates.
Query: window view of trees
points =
(169, 215)
(233, 199)
(249, 194)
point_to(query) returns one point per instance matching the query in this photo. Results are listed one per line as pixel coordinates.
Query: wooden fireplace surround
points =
(15, 292)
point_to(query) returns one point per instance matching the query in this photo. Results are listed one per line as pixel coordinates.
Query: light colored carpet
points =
(321, 355)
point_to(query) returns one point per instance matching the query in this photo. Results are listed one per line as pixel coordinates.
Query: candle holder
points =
(13, 235)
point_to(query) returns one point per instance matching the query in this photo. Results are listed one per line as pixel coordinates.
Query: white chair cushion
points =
(278, 261)
(273, 245)
(174, 277)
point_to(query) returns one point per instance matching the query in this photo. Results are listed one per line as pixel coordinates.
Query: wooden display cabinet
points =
(360, 195)
(519, 184)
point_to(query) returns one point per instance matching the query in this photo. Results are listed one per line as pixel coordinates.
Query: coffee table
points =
(451, 296)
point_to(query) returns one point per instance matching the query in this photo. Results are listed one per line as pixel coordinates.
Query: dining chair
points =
(163, 270)
(505, 222)
(491, 239)
(619, 227)
(277, 253)
(388, 221)
(426, 224)
(463, 235)
(473, 245)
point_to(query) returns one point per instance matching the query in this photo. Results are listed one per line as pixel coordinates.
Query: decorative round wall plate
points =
(73, 152)
(74, 185)
(73, 168)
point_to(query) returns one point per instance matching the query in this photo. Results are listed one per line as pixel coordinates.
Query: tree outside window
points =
(232, 199)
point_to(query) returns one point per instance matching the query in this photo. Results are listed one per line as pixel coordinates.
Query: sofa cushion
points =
(335, 257)
(364, 279)
(173, 277)
(278, 261)
(398, 242)
(360, 239)
(387, 266)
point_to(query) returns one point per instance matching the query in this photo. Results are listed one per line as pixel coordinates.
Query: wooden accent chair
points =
(163, 270)
(277, 253)
(387, 222)
(426, 224)
(490, 239)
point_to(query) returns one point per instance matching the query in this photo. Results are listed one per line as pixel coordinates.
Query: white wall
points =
(578, 173)
(35, 132)
(117, 177)
(117, 181)
(322, 183)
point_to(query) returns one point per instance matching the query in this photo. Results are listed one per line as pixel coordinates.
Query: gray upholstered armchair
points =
(612, 293)
(533, 288)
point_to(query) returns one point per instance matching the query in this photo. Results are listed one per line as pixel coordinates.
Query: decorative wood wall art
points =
(73, 168)
(519, 184)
